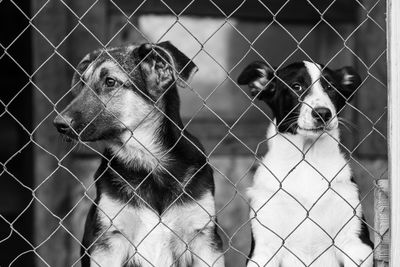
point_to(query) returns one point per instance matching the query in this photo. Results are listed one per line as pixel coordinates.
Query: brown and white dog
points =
(155, 190)
(305, 207)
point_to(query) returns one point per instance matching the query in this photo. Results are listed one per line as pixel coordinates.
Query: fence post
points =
(393, 39)
(381, 239)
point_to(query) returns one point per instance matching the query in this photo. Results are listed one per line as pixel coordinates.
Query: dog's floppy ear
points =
(349, 79)
(163, 64)
(184, 65)
(259, 77)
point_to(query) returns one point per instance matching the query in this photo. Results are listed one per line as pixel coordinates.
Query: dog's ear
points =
(184, 65)
(260, 79)
(349, 79)
(163, 64)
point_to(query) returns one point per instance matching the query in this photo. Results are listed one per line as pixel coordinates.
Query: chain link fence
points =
(49, 185)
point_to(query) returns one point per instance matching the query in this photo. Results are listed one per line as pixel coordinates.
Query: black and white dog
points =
(305, 206)
(155, 190)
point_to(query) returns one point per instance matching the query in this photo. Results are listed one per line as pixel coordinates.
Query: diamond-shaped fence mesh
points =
(152, 198)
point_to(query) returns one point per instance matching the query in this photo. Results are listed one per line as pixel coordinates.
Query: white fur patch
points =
(87, 57)
(262, 71)
(130, 48)
(282, 213)
(151, 240)
(316, 98)
(260, 83)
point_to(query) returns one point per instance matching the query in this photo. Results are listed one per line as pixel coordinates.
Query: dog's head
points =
(120, 89)
(305, 97)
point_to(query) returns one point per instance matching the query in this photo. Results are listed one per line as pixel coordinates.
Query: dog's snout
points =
(321, 114)
(62, 123)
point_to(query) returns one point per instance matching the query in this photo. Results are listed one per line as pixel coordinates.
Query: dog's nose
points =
(321, 114)
(62, 123)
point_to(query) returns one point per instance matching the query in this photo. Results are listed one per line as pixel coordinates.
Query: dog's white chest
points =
(307, 201)
(154, 239)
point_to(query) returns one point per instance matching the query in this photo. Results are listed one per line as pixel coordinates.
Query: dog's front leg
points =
(103, 244)
(208, 256)
(356, 253)
(263, 258)
(266, 249)
(267, 245)
(206, 252)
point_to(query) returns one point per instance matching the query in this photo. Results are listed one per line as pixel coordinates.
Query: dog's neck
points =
(141, 147)
(287, 151)
(158, 166)
(313, 144)
(303, 164)
(157, 144)
(160, 146)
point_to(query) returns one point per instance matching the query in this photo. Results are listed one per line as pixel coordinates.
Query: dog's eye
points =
(110, 82)
(297, 87)
(330, 87)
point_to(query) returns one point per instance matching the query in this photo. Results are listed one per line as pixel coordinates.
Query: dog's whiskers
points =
(347, 124)
(291, 122)
(291, 125)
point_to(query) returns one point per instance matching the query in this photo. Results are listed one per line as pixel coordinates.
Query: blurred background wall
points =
(36, 162)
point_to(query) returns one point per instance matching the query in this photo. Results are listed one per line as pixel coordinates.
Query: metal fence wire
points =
(57, 195)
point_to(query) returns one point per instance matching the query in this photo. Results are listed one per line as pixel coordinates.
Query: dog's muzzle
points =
(64, 126)
(317, 120)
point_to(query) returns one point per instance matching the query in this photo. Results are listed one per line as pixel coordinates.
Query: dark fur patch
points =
(364, 234)
(92, 230)
(252, 245)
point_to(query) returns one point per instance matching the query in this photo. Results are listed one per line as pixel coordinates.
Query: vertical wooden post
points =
(393, 38)
(381, 234)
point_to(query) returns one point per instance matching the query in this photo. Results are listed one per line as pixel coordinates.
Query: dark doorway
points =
(16, 168)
